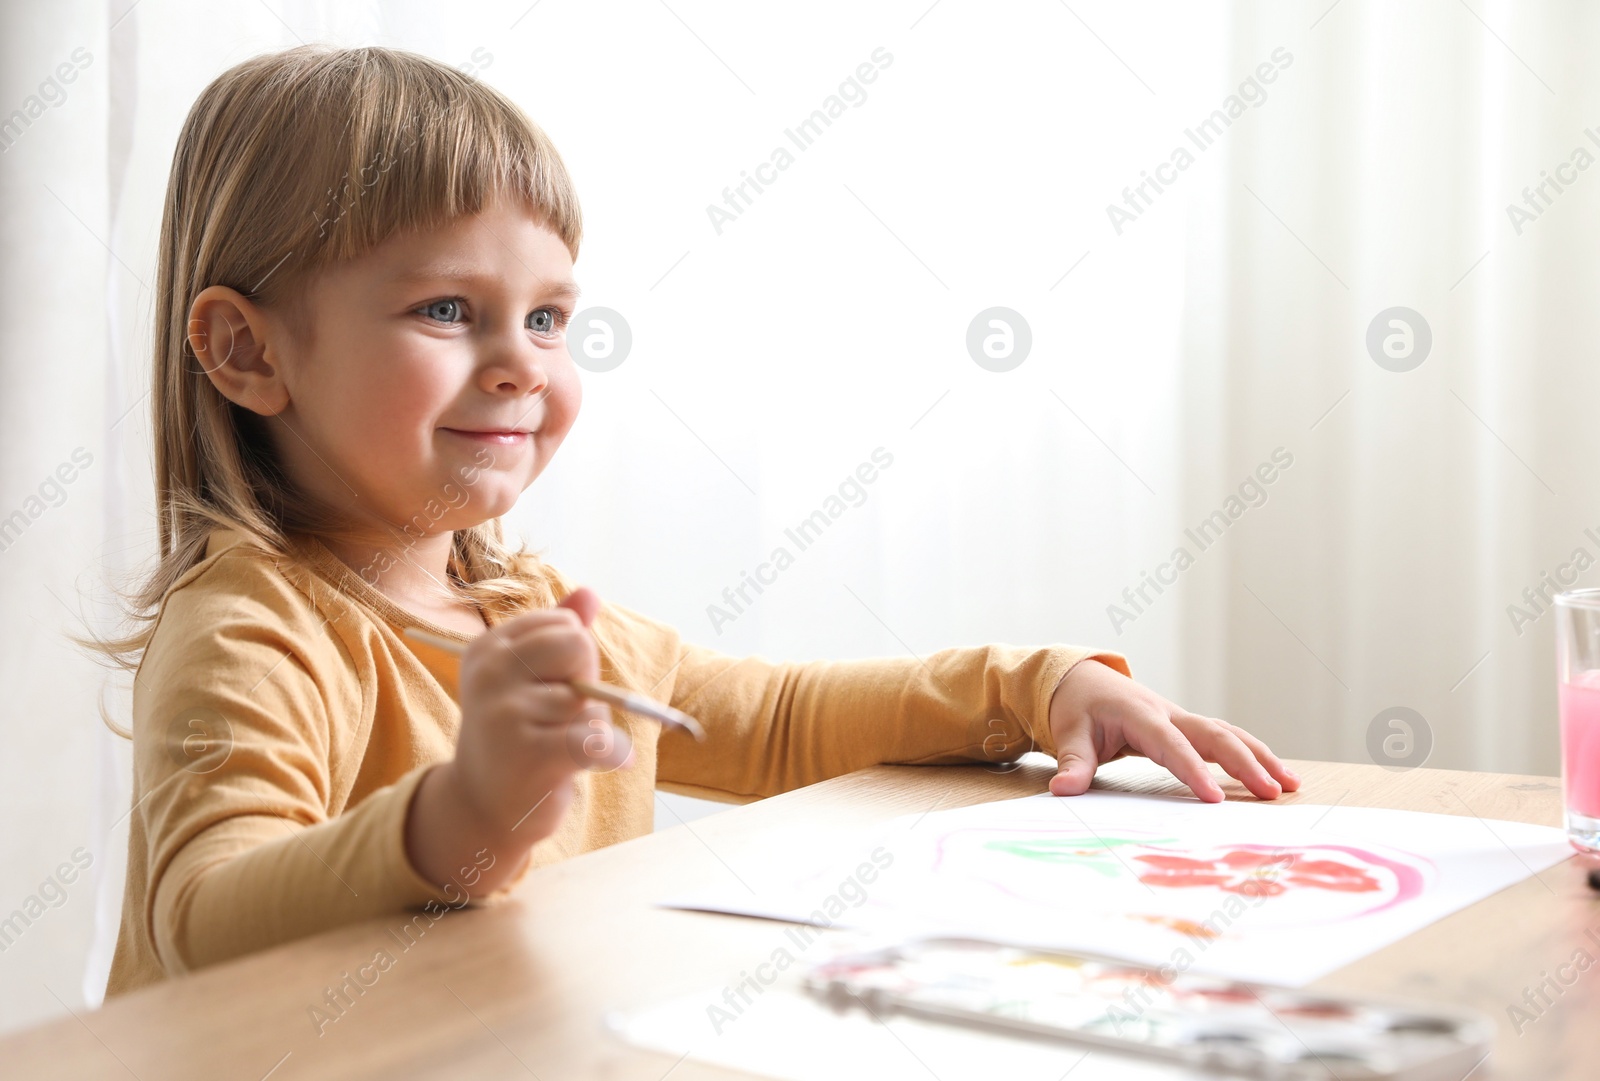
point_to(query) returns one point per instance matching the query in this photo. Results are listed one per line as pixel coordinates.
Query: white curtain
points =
(1383, 571)
(774, 353)
(62, 146)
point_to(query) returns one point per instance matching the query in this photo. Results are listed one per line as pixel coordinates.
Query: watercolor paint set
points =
(1201, 1022)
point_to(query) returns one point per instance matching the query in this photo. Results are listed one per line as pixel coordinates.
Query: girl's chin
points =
(489, 498)
(466, 501)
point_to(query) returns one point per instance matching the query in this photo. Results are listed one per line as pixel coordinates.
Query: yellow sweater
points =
(281, 724)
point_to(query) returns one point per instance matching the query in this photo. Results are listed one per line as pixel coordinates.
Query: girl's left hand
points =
(1098, 714)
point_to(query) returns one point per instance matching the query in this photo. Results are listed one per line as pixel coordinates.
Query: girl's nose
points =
(515, 366)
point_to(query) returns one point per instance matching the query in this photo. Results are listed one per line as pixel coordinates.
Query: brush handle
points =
(631, 701)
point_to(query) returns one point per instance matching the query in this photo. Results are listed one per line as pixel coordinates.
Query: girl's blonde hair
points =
(287, 163)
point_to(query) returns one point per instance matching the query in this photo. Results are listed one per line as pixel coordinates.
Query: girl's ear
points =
(230, 335)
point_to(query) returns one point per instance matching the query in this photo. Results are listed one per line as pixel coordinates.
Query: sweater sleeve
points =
(240, 707)
(772, 727)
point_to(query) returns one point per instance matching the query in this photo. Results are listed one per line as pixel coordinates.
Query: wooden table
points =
(517, 990)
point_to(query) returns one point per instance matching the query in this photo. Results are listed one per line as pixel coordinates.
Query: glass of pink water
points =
(1578, 698)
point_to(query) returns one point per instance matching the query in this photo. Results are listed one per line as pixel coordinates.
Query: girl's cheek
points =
(575, 400)
(565, 399)
(418, 395)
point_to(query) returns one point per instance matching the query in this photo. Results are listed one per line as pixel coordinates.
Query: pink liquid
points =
(1579, 702)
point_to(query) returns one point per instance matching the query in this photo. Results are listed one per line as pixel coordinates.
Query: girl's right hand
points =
(524, 730)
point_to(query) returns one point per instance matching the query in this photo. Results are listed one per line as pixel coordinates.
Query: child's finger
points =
(595, 744)
(576, 609)
(551, 705)
(553, 653)
(1075, 764)
(1164, 744)
(586, 738)
(1285, 776)
(497, 650)
(1217, 743)
(584, 601)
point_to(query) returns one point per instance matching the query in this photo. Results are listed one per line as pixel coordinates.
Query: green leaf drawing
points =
(1093, 853)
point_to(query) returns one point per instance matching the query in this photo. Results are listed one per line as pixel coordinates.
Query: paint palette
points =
(1242, 1029)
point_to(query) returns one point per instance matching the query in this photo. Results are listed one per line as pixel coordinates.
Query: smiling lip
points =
(499, 437)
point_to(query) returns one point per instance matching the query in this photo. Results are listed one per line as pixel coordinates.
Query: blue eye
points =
(447, 310)
(546, 320)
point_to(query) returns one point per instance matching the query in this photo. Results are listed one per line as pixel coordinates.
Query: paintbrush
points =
(631, 701)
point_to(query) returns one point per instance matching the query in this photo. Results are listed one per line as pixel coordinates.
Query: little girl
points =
(365, 273)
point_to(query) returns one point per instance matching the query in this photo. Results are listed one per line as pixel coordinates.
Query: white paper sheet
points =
(1273, 893)
(787, 1034)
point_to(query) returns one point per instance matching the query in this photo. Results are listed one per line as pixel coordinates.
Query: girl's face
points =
(433, 383)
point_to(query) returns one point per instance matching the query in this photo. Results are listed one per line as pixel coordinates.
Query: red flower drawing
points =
(1256, 874)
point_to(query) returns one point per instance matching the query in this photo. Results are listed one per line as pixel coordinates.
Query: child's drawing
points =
(1277, 894)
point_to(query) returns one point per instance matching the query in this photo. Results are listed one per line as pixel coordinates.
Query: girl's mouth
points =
(501, 437)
